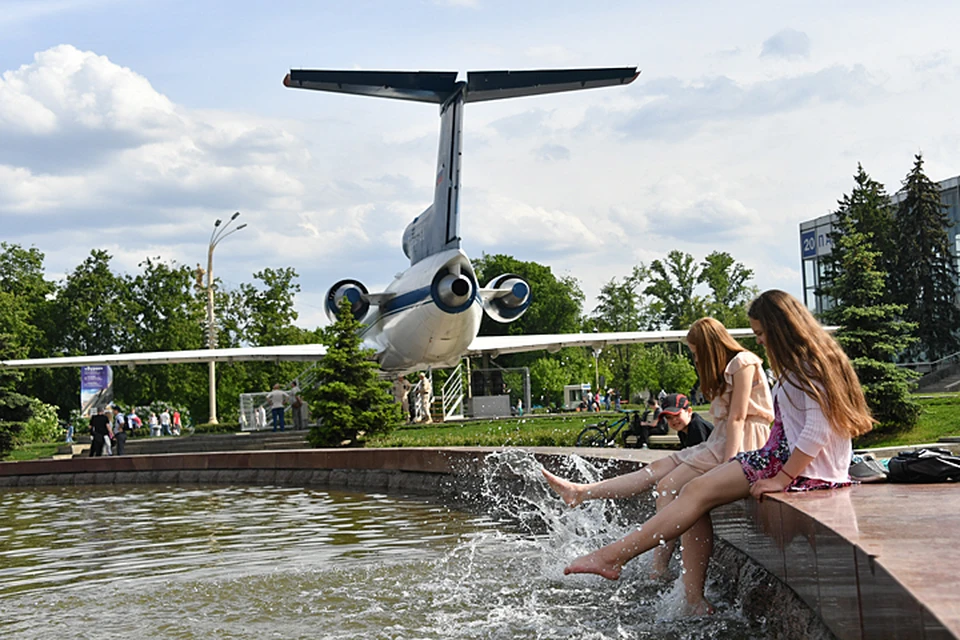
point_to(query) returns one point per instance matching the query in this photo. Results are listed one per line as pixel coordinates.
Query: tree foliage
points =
(924, 276)
(871, 331)
(730, 291)
(352, 402)
(621, 306)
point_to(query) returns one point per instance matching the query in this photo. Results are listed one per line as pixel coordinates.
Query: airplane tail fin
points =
(438, 228)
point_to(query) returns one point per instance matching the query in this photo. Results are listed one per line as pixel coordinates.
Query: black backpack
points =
(924, 465)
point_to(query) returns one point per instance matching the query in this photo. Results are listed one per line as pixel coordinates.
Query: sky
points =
(132, 125)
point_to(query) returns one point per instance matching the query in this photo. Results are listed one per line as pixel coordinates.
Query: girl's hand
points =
(769, 485)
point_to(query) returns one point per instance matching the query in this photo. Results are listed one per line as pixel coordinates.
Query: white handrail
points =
(453, 395)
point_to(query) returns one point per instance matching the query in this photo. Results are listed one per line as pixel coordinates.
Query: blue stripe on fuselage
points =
(403, 302)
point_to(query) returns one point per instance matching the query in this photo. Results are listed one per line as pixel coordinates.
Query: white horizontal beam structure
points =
(498, 345)
(280, 353)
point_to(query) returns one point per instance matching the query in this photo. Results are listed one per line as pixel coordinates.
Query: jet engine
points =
(352, 290)
(510, 300)
(453, 291)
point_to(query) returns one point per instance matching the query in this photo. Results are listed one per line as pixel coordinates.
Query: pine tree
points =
(924, 279)
(865, 210)
(351, 403)
(871, 331)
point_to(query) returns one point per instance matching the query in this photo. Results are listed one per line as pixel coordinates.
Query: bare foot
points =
(595, 563)
(570, 492)
(701, 608)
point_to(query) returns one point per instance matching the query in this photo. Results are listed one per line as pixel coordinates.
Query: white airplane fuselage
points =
(411, 331)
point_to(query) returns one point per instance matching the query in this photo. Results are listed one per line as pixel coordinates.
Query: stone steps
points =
(245, 441)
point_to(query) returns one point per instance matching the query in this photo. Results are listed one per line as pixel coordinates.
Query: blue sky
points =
(131, 126)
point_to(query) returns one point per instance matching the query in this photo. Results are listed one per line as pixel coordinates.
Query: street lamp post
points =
(596, 366)
(219, 233)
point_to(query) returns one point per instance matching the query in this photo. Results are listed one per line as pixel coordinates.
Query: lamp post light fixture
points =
(219, 233)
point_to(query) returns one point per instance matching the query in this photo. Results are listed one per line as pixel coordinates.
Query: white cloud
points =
(788, 43)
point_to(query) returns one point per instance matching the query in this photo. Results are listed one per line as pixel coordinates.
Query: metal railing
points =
(452, 395)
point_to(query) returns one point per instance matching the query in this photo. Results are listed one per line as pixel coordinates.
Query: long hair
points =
(797, 345)
(715, 348)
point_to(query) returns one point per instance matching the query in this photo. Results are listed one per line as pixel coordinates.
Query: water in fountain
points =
(290, 562)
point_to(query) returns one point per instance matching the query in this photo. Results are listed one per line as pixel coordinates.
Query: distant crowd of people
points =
(600, 401)
(110, 427)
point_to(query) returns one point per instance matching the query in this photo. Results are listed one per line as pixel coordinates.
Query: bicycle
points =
(604, 434)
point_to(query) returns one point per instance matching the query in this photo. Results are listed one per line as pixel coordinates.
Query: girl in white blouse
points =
(818, 405)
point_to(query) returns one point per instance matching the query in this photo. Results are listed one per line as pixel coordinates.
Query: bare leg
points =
(667, 490)
(697, 548)
(624, 486)
(722, 485)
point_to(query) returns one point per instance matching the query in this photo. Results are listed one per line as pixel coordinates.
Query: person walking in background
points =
(100, 430)
(401, 394)
(133, 421)
(165, 422)
(119, 430)
(296, 408)
(154, 425)
(818, 407)
(277, 400)
(425, 397)
(176, 422)
(741, 406)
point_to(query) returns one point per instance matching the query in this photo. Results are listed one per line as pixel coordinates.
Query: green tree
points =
(871, 331)
(622, 307)
(729, 286)
(548, 376)
(351, 403)
(21, 276)
(866, 210)
(673, 370)
(15, 409)
(90, 309)
(672, 284)
(924, 278)
(168, 316)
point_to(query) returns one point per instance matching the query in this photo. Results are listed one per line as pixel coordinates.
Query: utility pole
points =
(219, 233)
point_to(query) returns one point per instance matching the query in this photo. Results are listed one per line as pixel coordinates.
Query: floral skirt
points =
(767, 461)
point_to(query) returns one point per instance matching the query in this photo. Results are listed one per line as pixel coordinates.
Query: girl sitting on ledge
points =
(818, 405)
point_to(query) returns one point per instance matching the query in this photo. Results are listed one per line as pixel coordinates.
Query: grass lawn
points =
(940, 417)
(33, 451)
(546, 431)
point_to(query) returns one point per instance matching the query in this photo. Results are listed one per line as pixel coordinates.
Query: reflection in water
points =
(282, 562)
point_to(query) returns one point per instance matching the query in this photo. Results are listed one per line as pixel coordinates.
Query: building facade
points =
(815, 242)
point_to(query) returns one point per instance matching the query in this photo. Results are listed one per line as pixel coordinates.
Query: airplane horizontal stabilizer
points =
(419, 86)
(494, 85)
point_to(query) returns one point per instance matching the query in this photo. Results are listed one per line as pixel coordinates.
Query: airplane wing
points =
(498, 345)
(281, 353)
